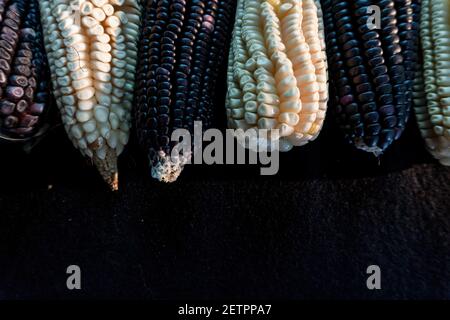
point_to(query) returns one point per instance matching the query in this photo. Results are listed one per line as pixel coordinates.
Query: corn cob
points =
(408, 33)
(24, 78)
(432, 96)
(277, 71)
(181, 54)
(324, 91)
(92, 51)
(370, 87)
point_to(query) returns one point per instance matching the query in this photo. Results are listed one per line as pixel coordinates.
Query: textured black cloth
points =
(224, 231)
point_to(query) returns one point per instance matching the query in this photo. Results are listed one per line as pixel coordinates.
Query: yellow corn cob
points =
(277, 75)
(92, 51)
(433, 108)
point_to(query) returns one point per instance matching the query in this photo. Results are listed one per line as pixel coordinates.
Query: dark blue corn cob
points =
(418, 92)
(371, 80)
(418, 82)
(182, 52)
(24, 76)
(409, 41)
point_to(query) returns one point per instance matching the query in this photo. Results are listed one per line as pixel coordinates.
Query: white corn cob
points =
(277, 75)
(321, 72)
(433, 108)
(92, 51)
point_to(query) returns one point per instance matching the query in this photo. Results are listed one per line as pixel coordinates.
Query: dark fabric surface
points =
(224, 231)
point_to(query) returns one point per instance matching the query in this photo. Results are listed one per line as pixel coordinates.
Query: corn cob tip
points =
(376, 151)
(165, 169)
(439, 147)
(113, 181)
(108, 169)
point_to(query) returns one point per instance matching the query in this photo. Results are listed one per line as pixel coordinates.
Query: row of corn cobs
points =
(158, 61)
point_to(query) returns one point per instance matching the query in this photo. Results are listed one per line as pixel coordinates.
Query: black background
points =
(224, 231)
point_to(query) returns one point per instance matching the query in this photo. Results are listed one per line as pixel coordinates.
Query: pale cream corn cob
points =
(433, 109)
(277, 75)
(321, 72)
(92, 51)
